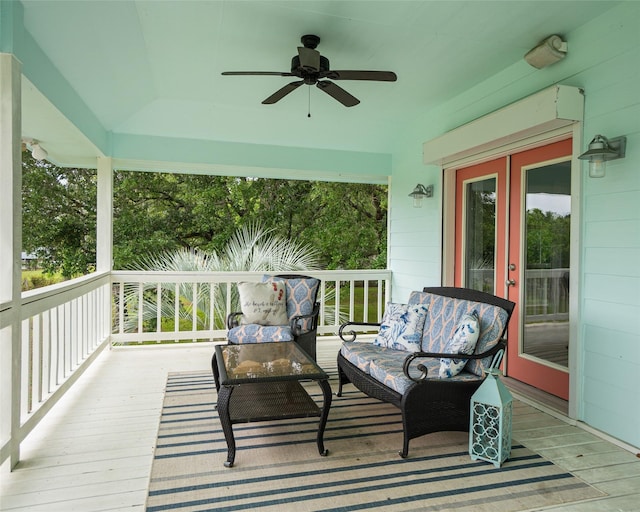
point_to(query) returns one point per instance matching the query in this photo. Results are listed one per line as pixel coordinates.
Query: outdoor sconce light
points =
(547, 52)
(490, 424)
(600, 150)
(37, 151)
(419, 193)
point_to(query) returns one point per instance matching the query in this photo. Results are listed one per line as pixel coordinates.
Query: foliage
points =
(548, 239)
(59, 216)
(251, 248)
(158, 212)
(32, 279)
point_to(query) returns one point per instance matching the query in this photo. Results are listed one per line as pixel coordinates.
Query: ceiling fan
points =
(313, 69)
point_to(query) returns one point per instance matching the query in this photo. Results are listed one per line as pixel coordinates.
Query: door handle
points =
(510, 282)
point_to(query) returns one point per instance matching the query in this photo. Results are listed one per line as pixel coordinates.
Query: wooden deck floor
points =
(94, 451)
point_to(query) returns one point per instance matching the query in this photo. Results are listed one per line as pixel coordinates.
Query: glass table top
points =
(261, 362)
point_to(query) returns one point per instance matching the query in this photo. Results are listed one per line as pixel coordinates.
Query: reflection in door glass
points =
(480, 235)
(547, 245)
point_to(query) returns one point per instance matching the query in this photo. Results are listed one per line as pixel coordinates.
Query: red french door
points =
(512, 238)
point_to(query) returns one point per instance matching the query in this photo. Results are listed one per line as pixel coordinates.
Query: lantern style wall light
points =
(602, 149)
(419, 193)
(490, 424)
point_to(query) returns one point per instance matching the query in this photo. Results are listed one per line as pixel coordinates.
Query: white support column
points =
(10, 249)
(104, 220)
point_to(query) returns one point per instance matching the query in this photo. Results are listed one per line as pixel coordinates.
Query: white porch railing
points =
(55, 332)
(51, 338)
(188, 306)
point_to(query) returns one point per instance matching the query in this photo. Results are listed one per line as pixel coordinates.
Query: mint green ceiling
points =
(140, 80)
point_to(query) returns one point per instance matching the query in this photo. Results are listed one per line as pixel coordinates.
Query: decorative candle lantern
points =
(490, 428)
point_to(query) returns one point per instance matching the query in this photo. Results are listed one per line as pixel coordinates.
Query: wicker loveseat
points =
(300, 324)
(409, 377)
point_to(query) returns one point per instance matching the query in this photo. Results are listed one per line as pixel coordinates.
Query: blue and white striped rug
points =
(278, 468)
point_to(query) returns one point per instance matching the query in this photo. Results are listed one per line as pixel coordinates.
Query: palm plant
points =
(252, 248)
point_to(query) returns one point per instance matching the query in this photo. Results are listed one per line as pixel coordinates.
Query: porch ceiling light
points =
(37, 151)
(419, 193)
(602, 149)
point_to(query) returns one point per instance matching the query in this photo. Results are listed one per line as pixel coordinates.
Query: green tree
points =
(59, 216)
(163, 212)
(548, 239)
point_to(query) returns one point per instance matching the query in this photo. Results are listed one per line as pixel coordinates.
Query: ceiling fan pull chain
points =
(309, 103)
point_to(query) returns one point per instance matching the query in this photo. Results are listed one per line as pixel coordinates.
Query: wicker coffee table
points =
(262, 382)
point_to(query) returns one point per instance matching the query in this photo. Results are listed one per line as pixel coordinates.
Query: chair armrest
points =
(297, 322)
(233, 319)
(500, 346)
(352, 334)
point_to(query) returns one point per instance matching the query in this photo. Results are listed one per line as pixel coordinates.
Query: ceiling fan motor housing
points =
(304, 73)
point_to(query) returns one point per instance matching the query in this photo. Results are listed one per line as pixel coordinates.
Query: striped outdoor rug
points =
(278, 468)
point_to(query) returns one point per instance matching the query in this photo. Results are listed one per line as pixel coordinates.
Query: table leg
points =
(326, 391)
(224, 396)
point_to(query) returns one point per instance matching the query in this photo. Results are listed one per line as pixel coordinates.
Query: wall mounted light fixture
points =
(547, 52)
(37, 151)
(602, 149)
(419, 193)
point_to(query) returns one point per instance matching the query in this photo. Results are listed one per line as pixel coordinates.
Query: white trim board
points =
(555, 107)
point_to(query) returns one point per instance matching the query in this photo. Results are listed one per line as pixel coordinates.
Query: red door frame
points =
(541, 376)
(508, 171)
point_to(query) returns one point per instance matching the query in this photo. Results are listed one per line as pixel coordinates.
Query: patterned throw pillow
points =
(401, 327)
(301, 296)
(463, 341)
(263, 303)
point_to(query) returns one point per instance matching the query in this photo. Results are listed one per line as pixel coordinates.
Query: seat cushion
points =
(445, 314)
(386, 365)
(401, 326)
(361, 354)
(254, 333)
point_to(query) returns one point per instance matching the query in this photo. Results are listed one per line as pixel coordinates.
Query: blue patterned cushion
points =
(445, 314)
(301, 296)
(254, 333)
(361, 354)
(385, 365)
(387, 368)
(401, 327)
(463, 341)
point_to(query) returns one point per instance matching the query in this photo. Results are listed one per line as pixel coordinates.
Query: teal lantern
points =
(490, 428)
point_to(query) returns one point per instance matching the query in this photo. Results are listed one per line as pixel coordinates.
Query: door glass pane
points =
(480, 235)
(546, 254)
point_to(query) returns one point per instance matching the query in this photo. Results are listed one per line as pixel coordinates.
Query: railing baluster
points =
(158, 310)
(176, 306)
(365, 312)
(352, 299)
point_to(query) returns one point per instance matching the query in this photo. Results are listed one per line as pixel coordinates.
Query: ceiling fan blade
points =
(263, 73)
(281, 93)
(379, 76)
(338, 93)
(309, 58)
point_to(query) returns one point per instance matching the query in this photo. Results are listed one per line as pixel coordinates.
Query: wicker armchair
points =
(302, 312)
